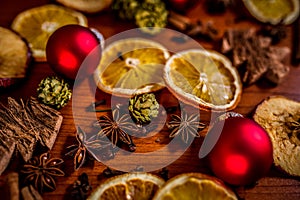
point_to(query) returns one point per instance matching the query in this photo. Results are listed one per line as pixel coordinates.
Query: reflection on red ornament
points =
(73, 47)
(243, 152)
(181, 5)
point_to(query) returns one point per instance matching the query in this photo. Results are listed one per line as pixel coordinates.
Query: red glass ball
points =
(72, 47)
(243, 152)
(181, 5)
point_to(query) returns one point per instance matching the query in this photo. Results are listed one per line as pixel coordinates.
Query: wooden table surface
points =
(276, 185)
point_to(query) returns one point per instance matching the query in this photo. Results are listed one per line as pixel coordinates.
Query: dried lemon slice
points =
(194, 186)
(273, 11)
(135, 186)
(88, 6)
(37, 24)
(14, 57)
(203, 78)
(131, 66)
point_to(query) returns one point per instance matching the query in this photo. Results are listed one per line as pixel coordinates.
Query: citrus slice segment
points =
(14, 57)
(131, 66)
(273, 11)
(37, 24)
(194, 186)
(203, 78)
(88, 6)
(135, 186)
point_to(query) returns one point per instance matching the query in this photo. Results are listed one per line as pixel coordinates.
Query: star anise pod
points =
(86, 146)
(186, 126)
(117, 128)
(40, 172)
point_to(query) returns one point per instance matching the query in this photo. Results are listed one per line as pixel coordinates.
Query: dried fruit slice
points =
(131, 66)
(280, 117)
(88, 6)
(191, 186)
(274, 11)
(203, 78)
(134, 186)
(14, 57)
(37, 24)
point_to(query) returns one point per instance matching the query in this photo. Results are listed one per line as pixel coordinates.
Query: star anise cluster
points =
(187, 126)
(118, 128)
(98, 148)
(41, 171)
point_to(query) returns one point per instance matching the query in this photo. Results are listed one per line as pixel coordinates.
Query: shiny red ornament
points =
(181, 5)
(242, 153)
(73, 47)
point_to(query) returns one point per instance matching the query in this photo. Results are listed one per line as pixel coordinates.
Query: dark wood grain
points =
(276, 185)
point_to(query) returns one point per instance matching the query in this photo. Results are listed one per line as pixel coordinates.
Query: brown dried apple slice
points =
(280, 117)
(15, 57)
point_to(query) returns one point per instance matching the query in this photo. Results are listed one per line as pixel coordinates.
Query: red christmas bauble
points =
(72, 47)
(242, 153)
(181, 5)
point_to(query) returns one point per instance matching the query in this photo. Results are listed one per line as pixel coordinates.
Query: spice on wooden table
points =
(255, 57)
(194, 29)
(41, 171)
(81, 188)
(29, 193)
(23, 125)
(116, 127)
(93, 146)
(12, 180)
(187, 126)
(276, 33)
(7, 148)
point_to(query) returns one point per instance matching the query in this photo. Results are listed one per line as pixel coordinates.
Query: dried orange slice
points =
(88, 6)
(194, 186)
(203, 78)
(273, 11)
(135, 186)
(37, 24)
(14, 57)
(131, 66)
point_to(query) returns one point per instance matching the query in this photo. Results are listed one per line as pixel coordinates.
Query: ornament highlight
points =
(181, 6)
(242, 153)
(72, 47)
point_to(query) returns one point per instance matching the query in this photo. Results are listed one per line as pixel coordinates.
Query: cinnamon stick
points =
(13, 186)
(29, 193)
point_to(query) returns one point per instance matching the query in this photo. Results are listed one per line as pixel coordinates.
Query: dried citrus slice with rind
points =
(88, 6)
(37, 24)
(131, 66)
(135, 186)
(273, 11)
(15, 57)
(203, 78)
(194, 186)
